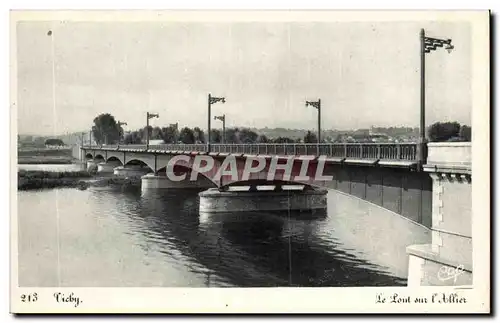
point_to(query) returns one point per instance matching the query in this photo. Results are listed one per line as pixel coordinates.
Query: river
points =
(103, 237)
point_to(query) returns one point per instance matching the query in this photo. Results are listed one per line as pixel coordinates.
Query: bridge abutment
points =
(448, 259)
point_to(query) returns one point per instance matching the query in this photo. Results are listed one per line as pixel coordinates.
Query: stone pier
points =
(131, 171)
(213, 200)
(91, 165)
(107, 167)
(448, 259)
(161, 181)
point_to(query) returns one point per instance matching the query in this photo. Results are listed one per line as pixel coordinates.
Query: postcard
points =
(250, 161)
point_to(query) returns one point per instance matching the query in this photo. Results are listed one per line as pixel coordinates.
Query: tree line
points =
(449, 131)
(106, 130)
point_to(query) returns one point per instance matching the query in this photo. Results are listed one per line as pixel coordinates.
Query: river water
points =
(51, 167)
(114, 236)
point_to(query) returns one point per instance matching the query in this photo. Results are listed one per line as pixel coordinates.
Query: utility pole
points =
(427, 44)
(223, 119)
(149, 116)
(211, 100)
(317, 105)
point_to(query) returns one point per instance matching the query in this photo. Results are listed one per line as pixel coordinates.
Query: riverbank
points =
(35, 180)
(45, 160)
(45, 156)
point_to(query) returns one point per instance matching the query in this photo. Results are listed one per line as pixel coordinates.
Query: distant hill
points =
(327, 134)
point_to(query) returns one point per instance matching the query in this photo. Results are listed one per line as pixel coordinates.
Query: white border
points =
(241, 298)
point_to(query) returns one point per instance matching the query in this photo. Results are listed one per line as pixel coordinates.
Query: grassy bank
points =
(44, 156)
(33, 180)
(37, 179)
(53, 160)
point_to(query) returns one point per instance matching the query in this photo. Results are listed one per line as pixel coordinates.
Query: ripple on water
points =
(125, 237)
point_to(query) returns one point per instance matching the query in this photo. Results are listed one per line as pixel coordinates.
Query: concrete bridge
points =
(384, 174)
(388, 175)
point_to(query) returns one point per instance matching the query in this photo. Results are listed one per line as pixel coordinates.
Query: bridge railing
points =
(387, 151)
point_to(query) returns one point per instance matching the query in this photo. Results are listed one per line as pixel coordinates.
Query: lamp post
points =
(317, 105)
(211, 100)
(427, 44)
(223, 119)
(50, 33)
(90, 138)
(149, 116)
(120, 124)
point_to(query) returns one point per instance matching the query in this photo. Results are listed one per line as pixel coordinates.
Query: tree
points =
(54, 142)
(232, 136)
(263, 139)
(284, 140)
(170, 133)
(144, 134)
(199, 136)
(186, 135)
(132, 138)
(443, 131)
(247, 136)
(310, 138)
(215, 136)
(466, 133)
(156, 133)
(105, 129)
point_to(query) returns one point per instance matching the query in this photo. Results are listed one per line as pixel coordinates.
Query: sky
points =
(366, 74)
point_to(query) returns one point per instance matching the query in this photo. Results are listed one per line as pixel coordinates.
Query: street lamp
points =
(120, 124)
(223, 119)
(317, 105)
(51, 35)
(90, 138)
(427, 44)
(149, 116)
(211, 100)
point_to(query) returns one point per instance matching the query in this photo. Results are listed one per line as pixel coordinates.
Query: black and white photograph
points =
(226, 151)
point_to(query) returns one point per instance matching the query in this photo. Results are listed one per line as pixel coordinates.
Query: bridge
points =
(389, 175)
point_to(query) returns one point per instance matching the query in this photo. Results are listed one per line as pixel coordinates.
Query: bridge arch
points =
(115, 156)
(89, 155)
(139, 162)
(114, 159)
(99, 156)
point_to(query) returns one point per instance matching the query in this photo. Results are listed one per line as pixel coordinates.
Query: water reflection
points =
(257, 249)
(128, 237)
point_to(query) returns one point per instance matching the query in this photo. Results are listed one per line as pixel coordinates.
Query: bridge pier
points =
(131, 171)
(161, 181)
(448, 259)
(91, 165)
(107, 167)
(214, 201)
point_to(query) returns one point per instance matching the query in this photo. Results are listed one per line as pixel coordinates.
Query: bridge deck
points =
(384, 154)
